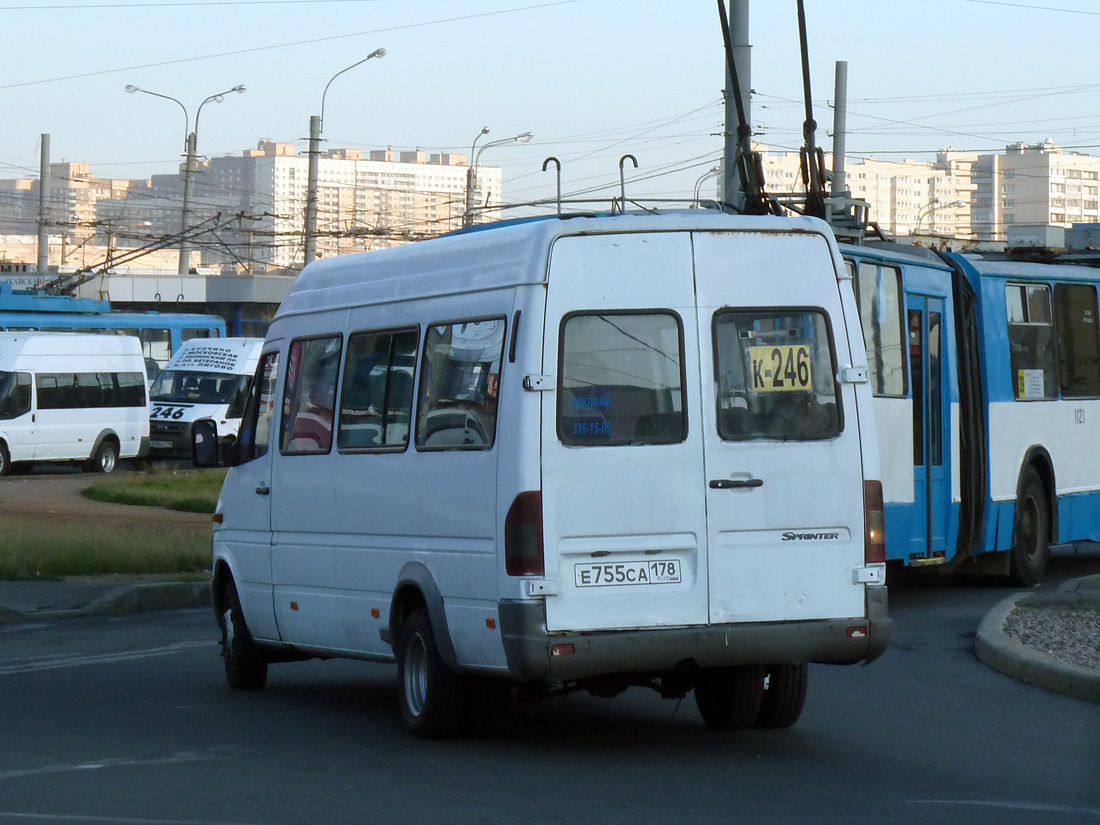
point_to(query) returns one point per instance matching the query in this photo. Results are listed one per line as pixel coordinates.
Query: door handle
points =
(263, 490)
(735, 483)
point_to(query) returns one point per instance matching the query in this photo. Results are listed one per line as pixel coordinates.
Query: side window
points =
(188, 333)
(56, 391)
(775, 375)
(15, 394)
(157, 344)
(1075, 313)
(1031, 341)
(459, 385)
(878, 293)
(259, 411)
(621, 379)
(131, 389)
(309, 400)
(377, 390)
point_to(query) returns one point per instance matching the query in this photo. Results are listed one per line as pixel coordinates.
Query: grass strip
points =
(34, 549)
(191, 491)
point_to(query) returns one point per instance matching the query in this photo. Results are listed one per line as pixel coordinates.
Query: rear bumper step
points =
(527, 643)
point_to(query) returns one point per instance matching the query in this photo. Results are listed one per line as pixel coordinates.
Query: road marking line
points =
(1018, 806)
(102, 658)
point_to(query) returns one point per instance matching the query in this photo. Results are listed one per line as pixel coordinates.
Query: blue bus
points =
(161, 334)
(986, 377)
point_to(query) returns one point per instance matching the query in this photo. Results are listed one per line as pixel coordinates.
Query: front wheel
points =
(730, 698)
(245, 662)
(1030, 531)
(433, 698)
(104, 459)
(5, 459)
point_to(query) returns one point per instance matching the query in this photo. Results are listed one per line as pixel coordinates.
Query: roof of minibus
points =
(1034, 270)
(67, 345)
(492, 256)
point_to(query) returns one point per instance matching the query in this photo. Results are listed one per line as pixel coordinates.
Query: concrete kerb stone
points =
(1001, 652)
(138, 598)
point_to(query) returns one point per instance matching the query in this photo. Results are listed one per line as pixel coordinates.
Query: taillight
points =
(874, 542)
(523, 536)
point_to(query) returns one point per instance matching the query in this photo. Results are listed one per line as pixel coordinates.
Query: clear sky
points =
(592, 79)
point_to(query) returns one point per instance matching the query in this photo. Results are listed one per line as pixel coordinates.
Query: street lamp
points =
(190, 141)
(713, 171)
(316, 123)
(471, 172)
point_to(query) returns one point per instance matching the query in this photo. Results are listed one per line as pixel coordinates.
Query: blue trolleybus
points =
(986, 377)
(161, 334)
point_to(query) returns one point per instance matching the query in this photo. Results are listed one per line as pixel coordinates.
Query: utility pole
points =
(311, 188)
(739, 34)
(43, 208)
(840, 124)
(188, 195)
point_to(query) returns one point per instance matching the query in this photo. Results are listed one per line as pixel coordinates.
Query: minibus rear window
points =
(621, 379)
(775, 375)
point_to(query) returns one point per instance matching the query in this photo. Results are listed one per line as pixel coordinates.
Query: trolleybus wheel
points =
(1030, 531)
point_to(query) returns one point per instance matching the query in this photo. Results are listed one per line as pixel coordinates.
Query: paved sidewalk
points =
(22, 602)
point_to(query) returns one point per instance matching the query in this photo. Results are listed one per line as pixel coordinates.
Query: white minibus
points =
(68, 396)
(206, 378)
(562, 454)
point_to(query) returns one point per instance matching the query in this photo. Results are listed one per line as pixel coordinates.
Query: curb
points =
(138, 598)
(1012, 658)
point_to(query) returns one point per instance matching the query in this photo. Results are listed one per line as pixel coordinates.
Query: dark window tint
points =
(459, 385)
(1030, 341)
(775, 375)
(310, 398)
(621, 379)
(1078, 341)
(90, 390)
(15, 394)
(377, 390)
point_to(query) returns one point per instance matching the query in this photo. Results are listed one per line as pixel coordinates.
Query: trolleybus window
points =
(1078, 340)
(1030, 341)
(878, 291)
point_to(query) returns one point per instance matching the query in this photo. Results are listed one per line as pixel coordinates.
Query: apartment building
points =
(249, 209)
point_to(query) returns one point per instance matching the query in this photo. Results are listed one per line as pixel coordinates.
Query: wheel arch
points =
(106, 435)
(416, 587)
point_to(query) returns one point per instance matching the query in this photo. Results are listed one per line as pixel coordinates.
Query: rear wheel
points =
(245, 662)
(784, 696)
(104, 459)
(730, 697)
(433, 698)
(1030, 532)
(5, 459)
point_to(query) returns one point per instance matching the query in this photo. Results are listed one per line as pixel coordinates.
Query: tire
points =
(104, 459)
(433, 698)
(1030, 531)
(5, 460)
(784, 696)
(245, 662)
(730, 698)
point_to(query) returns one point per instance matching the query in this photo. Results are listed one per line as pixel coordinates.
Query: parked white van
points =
(638, 450)
(206, 378)
(67, 396)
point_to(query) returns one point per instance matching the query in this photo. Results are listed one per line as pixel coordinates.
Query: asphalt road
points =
(128, 720)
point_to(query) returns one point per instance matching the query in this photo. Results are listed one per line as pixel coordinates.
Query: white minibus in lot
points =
(206, 378)
(68, 396)
(561, 454)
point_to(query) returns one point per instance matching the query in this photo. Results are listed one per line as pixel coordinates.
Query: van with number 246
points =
(581, 453)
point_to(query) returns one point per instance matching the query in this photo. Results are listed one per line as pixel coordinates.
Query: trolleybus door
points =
(927, 533)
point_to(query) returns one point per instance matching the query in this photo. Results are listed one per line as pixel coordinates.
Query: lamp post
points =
(190, 141)
(713, 171)
(471, 173)
(316, 124)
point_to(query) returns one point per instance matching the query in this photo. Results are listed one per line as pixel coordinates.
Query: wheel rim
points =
(227, 632)
(1029, 527)
(107, 459)
(416, 674)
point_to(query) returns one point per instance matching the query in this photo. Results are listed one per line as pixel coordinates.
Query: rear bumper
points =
(527, 643)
